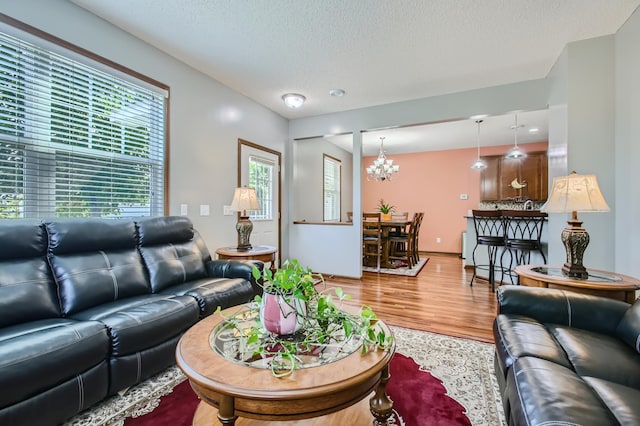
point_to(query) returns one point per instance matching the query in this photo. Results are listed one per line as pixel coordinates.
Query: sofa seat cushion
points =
(213, 292)
(622, 400)
(598, 355)
(41, 354)
(141, 322)
(518, 336)
(541, 392)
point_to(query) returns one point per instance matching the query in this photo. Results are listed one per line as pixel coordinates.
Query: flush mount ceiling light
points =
(337, 92)
(515, 152)
(479, 164)
(293, 100)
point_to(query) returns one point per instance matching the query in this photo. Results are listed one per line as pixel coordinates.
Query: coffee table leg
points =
(380, 404)
(226, 411)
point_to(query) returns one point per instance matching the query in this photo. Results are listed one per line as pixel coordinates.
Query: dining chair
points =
(415, 241)
(372, 241)
(401, 245)
(490, 232)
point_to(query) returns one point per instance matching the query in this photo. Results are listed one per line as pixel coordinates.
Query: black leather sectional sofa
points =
(564, 358)
(89, 307)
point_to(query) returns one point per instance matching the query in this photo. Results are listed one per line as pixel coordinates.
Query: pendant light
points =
(479, 164)
(516, 152)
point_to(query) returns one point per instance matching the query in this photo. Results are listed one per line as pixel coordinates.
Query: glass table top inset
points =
(229, 340)
(596, 277)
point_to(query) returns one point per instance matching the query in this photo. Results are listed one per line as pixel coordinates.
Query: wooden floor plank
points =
(439, 299)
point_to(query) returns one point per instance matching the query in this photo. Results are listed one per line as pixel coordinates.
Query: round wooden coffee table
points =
(333, 393)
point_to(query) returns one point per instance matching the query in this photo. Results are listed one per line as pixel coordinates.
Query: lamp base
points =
(575, 239)
(244, 228)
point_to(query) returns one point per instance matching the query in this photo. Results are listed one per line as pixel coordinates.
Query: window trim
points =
(90, 57)
(339, 180)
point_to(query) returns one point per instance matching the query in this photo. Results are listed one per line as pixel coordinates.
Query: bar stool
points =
(490, 232)
(523, 230)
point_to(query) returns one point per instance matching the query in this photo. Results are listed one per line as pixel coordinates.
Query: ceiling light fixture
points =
(479, 164)
(382, 168)
(337, 92)
(516, 152)
(293, 100)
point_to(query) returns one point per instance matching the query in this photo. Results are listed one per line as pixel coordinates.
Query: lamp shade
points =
(575, 193)
(245, 199)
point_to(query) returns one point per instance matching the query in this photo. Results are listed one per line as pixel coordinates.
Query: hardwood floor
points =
(439, 299)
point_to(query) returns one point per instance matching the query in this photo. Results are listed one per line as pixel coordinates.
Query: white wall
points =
(627, 147)
(206, 117)
(307, 184)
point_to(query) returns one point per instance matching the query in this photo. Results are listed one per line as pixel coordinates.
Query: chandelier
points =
(382, 168)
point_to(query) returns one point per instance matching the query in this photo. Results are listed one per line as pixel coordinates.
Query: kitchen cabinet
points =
(497, 178)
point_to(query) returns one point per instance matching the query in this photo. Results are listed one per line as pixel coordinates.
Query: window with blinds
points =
(331, 188)
(76, 141)
(261, 178)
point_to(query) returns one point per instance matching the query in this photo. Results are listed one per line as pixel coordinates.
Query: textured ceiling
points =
(378, 51)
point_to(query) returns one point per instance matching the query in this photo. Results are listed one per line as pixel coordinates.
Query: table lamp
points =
(572, 194)
(244, 199)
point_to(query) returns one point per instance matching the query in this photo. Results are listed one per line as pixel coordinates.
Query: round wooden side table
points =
(599, 283)
(262, 253)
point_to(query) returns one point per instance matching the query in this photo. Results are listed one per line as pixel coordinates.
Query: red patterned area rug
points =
(435, 380)
(418, 399)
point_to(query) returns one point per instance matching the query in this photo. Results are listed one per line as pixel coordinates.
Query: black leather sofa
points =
(89, 307)
(564, 358)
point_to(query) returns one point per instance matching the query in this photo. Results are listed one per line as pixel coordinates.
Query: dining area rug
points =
(435, 380)
(399, 268)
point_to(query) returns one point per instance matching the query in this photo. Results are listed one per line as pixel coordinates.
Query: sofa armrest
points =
(228, 268)
(562, 307)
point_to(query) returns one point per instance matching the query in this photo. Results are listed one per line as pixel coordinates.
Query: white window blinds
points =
(331, 189)
(76, 141)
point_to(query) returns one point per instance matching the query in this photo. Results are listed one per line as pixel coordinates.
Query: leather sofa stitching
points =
(526, 415)
(80, 392)
(139, 374)
(569, 310)
(113, 276)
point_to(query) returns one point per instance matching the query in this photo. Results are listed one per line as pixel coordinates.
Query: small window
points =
(331, 188)
(261, 178)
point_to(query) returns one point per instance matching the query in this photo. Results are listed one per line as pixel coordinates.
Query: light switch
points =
(204, 209)
(184, 210)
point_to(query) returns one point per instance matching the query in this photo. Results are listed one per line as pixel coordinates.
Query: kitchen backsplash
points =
(508, 205)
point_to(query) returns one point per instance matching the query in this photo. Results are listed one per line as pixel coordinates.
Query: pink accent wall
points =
(432, 182)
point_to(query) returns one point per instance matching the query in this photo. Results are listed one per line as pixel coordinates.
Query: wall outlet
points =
(464, 196)
(204, 209)
(438, 240)
(184, 209)
(226, 211)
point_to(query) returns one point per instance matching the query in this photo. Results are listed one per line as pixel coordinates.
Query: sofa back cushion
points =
(173, 251)
(95, 261)
(629, 327)
(27, 290)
